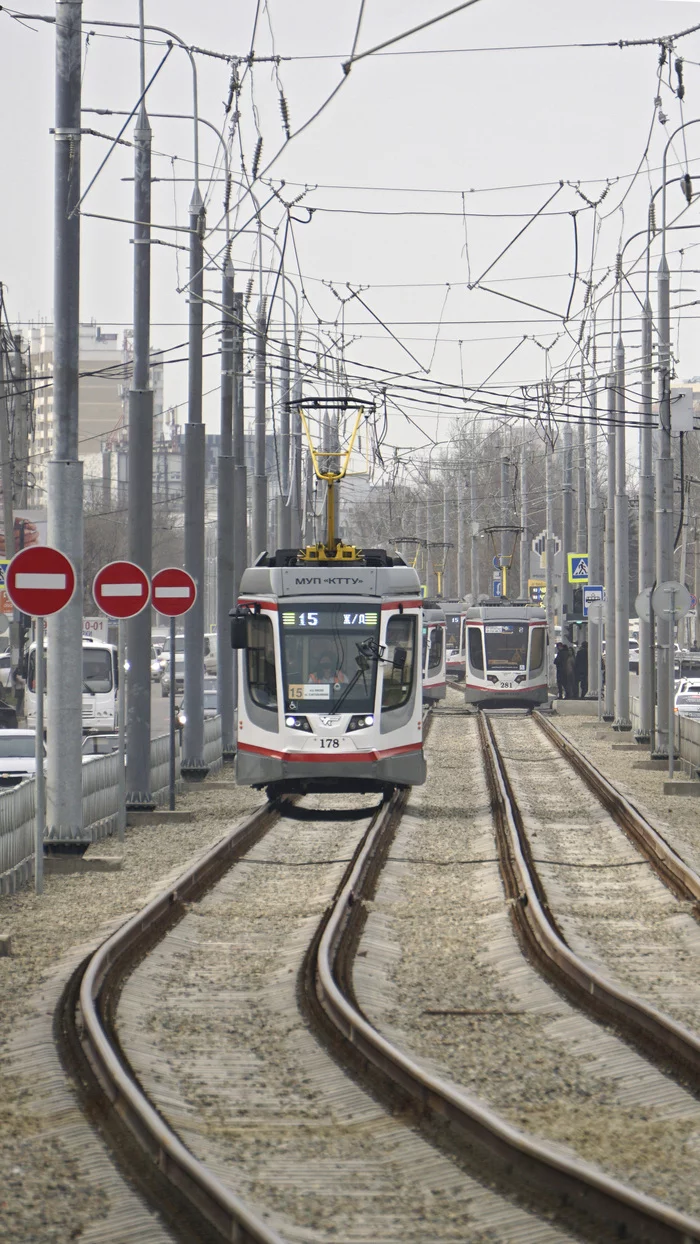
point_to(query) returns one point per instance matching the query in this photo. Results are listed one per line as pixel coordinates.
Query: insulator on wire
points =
(618, 266)
(652, 219)
(248, 290)
(680, 89)
(256, 157)
(687, 187)
(284, 109)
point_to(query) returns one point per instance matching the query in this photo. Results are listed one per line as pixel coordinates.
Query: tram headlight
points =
(360, 721)
(297, 723)
(520, 678)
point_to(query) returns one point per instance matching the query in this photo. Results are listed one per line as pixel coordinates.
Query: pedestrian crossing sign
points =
(578, 567)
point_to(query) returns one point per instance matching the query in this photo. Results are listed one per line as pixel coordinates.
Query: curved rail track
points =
(187, 1193)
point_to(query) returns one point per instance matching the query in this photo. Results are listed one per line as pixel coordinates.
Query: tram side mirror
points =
(239, 630)
(400, 658)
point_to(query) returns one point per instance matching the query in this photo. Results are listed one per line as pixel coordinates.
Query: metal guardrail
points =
(100, 802)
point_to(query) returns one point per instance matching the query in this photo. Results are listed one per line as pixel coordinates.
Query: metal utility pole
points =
(21, 437)
(193, 760)
(240, 486)
(65, 472)
(646, 530)
(566, 597)
(581, 529)
(622, 604)
(260, 464)
(664, 506)
(6, 480)
(284, 513)
(473, 535)
(295, 508)
(460, 534)
(594, 566)
(549, 556)
(504, 552)
(524, 520)
(225, 521)
(140, 525)
(609, 714)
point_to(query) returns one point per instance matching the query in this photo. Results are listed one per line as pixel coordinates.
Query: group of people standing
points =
(571, 665)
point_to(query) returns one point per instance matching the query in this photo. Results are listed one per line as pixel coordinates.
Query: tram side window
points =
(397, 684)
(435, 658)
(476, 649)
(260, 657)
(536, 649)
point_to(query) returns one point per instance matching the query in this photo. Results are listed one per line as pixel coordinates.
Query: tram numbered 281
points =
(329, 674)
(434, 652)
(506, 655)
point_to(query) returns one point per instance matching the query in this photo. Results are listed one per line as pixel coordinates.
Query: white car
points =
(687, 703)
(5, 669)
(17, 756)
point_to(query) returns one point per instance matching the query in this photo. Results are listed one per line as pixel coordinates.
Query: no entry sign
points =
(121, 589)
(40, 581)
(174, 591)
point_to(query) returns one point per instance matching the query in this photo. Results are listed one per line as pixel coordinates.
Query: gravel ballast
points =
(211, 1022)
(46, 1188)
(439, 940)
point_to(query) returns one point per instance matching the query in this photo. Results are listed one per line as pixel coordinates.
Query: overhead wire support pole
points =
(609, 711)
(225, 523)
(664, 508)
(646, 528)
(473, 537)
(622, 606)
(64, 698)
(260, 523)
(594, 566)
(524, 520)
(140, 488)
(193, 765)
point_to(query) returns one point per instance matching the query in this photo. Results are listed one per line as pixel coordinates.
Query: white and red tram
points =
(506, 655)
(434, 652)
(329, 674)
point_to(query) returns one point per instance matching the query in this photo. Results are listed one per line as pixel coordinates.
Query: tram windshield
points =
(506, 646)
(329, 657)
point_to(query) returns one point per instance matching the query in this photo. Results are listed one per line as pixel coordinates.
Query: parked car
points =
(5, 669)
(156, 668)
(17, 756)
(210, 704)
(687, 703)
(210, 652)
(99, 745)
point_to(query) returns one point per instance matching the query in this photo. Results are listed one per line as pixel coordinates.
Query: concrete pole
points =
(65, 472)
(240, 488)
(473, 535)
(21, 438)
(140, 502)
(664, 508)
(594, 566)
(193, 740)
(460, 534)
(549, 560)
(581, 527)
(622, 553)
(260, 465)
(225, 523)
(524, 523)
(505, 547)
(284, 510)
(295, 509)
(7, 482)
(566, 597)
(646, 530)
(609, 713)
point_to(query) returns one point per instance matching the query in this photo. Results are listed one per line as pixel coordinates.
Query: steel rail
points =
(674, 872)
(202, 1192)
(606, 1200)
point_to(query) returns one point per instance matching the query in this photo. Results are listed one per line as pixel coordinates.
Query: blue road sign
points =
(497, 585)
(591, 594)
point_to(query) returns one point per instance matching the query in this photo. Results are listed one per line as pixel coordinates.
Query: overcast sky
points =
(421, 170)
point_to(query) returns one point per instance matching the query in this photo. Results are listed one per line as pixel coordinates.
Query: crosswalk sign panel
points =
(578, 567)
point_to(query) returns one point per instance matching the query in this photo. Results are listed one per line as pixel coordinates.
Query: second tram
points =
(506, 655)
(434, 652)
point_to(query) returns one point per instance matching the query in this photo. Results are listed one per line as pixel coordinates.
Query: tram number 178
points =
(325, 743)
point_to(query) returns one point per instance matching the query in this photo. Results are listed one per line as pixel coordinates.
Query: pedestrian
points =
(570, 674)
(581, 666)
(560, 666)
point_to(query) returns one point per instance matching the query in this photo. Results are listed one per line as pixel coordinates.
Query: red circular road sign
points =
(121, 590)
(40, 581)
(174, 591)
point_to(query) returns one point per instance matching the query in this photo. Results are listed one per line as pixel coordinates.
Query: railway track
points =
(198, 1198)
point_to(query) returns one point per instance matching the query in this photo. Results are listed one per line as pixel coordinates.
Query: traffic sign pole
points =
(40, 787)
(121, 663)
(672, 687)
(174, 594)
(41, 580)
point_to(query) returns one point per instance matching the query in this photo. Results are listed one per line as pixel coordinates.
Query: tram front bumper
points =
(403, 768)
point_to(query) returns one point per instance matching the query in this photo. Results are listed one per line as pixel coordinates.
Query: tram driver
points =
(327, 670)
